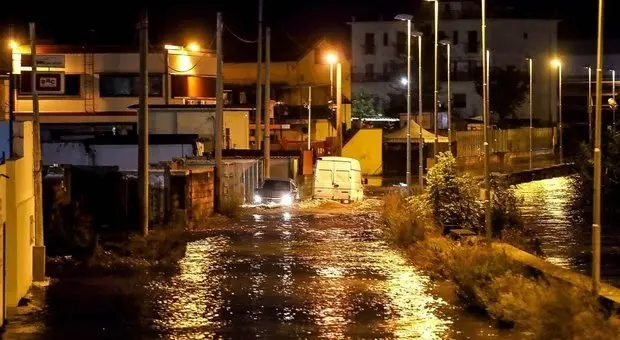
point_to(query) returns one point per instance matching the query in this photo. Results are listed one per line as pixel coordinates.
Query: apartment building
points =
(511, 38)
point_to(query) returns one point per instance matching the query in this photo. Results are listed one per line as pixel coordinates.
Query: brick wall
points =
(199, 195)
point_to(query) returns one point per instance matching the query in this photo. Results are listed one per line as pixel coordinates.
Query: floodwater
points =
(565, 230)
(273, 275)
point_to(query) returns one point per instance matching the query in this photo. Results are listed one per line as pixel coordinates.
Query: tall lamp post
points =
(332, 59)
(408, 18)
(448, 45)
(421, 141)
(589, 104)
(558, 63)
(596, 218)
(530, 62)
(435, 86)
(487, 184)
(613, 101)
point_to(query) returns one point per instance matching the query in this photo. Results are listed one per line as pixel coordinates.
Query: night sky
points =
(293, 23)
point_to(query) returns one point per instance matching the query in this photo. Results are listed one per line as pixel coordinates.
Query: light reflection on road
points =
(283, 275)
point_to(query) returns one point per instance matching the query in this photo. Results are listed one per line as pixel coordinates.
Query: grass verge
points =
(490, 282)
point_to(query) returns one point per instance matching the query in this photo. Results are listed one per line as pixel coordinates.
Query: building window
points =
(459, 100)
(128, 85)
(455, 37)
(401, 43)
(386, 68)
(369, 43)
(73, 84)
(525, 36)
(370, 70)
(472, 41)
(385, 39)
(182, 86)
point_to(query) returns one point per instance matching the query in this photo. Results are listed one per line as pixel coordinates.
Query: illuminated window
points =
(128, 85)
(183, 86)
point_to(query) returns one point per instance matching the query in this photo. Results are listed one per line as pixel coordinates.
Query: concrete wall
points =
(367, 147)
(199, 195)
(123, 156)
(17, 194)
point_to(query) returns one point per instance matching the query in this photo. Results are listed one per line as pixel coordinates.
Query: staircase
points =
(89, 82)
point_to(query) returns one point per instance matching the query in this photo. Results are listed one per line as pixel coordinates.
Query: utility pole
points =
(339, 106)
(590, 104)
(408, 171)
(436, 87)
(485, 111)
(309, 117)
(143, 127)
(449, 47)
(259, 77)
(531, 68)
(39, 245)
(267, 140)
(11, 93)
(420, 111)
(596, 220)
(219, 115)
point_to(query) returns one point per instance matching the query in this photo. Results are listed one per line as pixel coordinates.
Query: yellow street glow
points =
(172, 47)
(331, 58)
(194, 47)
(13, 44)
(556, 62)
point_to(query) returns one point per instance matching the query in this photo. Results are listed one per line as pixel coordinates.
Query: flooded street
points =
(273, 275)
(565, 231)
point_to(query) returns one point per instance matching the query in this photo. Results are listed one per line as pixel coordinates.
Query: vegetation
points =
(231, 205)
(486, 279)
(365, 105)
(509, 87)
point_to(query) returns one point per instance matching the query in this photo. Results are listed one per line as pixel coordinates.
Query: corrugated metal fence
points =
(470, 143)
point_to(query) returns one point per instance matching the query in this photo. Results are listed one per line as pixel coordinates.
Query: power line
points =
(238, 37)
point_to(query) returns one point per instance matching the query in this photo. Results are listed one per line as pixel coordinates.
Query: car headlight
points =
(257, 199)
(286, 200)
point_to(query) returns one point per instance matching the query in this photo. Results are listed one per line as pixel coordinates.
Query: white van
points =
(338, 178)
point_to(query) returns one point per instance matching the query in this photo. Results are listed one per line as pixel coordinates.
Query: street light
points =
(193, 46)
(558, 63)
(589, 103)
(421, 141)
(613, 101)
(408, 18)
(13, 44)
(332, 59)
(436, 90)
(531, 68)
(404, 81)
(448, 44)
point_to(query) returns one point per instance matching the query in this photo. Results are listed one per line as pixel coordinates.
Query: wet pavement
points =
(268, 275)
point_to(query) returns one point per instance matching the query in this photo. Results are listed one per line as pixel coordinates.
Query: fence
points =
(471, 143)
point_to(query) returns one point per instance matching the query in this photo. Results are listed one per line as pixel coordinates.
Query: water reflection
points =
(310, 276)
(549, 207)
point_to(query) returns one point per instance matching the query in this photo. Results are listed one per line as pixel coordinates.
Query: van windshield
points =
(276, 185)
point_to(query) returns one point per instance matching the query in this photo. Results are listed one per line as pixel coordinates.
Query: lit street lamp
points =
(447, 43)
(557, 63)
(332, 59)
(435, 86)
(408, 18)
(531, 68)
(421, 142)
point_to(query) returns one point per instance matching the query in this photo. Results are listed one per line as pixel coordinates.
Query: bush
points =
(230, 205)
(453, 197)
(162, 245)
(406, 218)
(550, 310)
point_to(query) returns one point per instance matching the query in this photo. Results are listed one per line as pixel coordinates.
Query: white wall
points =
(123, 156)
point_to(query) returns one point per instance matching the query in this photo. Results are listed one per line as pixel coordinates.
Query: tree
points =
(366, 105)
(508, 87)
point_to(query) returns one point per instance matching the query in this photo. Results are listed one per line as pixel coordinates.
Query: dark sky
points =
(113, 22)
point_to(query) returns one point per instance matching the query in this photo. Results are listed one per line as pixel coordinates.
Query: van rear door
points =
(324, 179)
(342, 180)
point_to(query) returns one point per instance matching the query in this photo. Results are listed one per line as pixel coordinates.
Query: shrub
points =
(433, 256)
(550, 310)
(452, 196)
(230, 205)
(162, 245)
(404, 218)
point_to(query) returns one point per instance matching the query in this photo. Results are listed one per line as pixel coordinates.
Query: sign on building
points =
(56, 60)
(46, 83)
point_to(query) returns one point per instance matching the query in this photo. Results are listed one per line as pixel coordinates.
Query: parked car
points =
(338, 178)
(277, 191)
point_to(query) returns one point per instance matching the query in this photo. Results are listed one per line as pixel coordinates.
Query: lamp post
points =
(589, 104)
(596, 218)
(448, 45)
(421, 142)
(407, 17)
(332, 59)
(531, 68)
(487, 184)
(613, 101)
(435, 86)
(557, 63)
